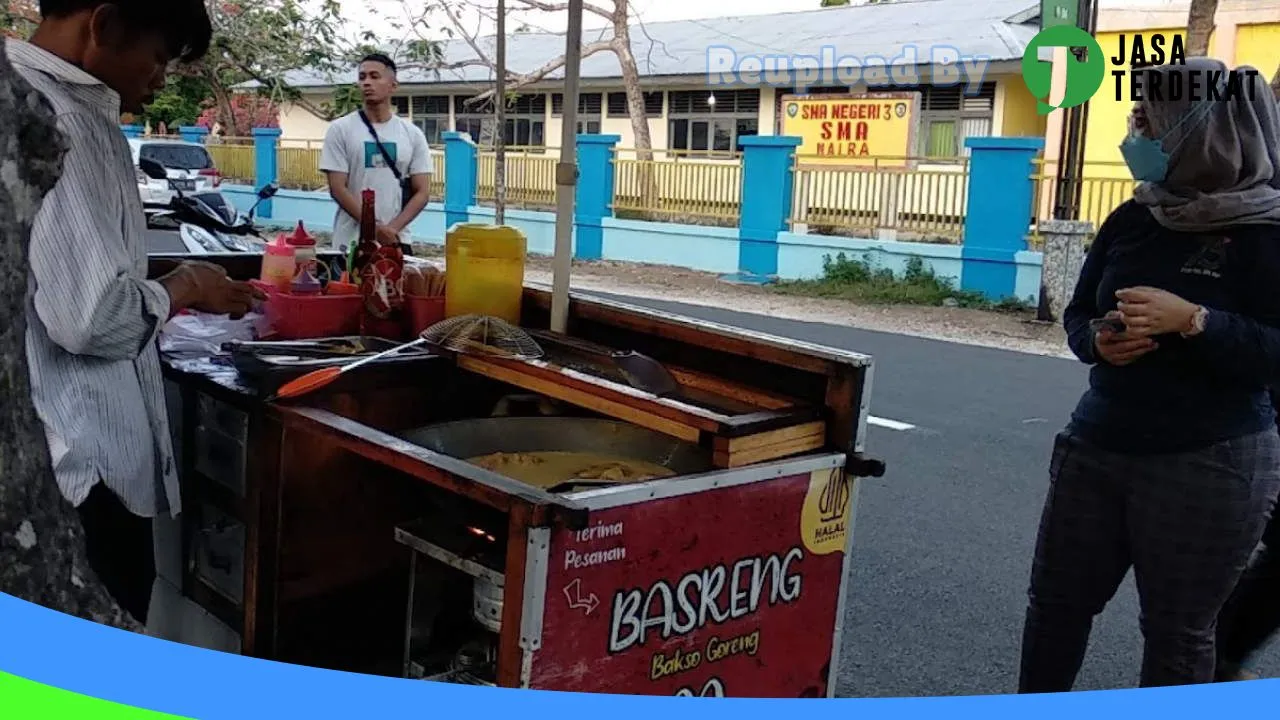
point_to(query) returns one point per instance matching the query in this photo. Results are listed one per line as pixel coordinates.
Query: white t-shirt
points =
(349, 148)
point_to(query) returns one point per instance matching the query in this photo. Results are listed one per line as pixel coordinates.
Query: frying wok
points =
(466, 439)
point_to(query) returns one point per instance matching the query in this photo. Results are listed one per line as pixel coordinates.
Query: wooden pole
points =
(567, 172)
(500, 112)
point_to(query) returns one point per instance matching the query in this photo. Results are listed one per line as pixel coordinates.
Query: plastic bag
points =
(195, 333)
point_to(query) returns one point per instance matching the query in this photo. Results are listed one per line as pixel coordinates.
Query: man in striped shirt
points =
(92, 313)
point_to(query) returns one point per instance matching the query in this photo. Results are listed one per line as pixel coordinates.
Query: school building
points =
(756, 61)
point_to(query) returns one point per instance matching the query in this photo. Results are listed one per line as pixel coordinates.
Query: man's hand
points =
(1149, 311)
(230, 298)
(205, 287)
(1120, 349)
(386, 235)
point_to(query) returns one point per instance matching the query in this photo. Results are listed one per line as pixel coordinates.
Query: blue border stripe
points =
(86, 658)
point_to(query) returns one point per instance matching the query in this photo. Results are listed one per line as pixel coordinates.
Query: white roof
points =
(997, 30)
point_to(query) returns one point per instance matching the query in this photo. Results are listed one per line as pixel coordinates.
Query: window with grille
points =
(589, 104)
(617, 105)
(525, 124)
(429, 112)
(705, 122)
(589, 111)
(948, 115)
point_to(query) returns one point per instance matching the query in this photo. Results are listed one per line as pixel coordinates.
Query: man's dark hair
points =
(184, 24)
(380, 58)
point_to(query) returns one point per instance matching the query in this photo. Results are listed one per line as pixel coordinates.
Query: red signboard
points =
(732, 591)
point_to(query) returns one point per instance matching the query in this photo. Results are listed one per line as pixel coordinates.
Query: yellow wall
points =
(1014, 114)
(1019, 116)
(296, 123)
(1258, 46)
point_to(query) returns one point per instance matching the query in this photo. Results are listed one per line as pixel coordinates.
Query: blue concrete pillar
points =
(766, 204)
(132, 131)
(193, 133)
(459, 178)
(997, 218)
(266, 170)
(593, 199)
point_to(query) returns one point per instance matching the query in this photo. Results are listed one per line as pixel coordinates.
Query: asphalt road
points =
(943, 542)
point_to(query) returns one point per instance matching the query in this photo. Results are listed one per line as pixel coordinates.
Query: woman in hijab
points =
(1171, 461)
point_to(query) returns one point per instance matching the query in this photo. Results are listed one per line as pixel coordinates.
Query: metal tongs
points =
(641, 371)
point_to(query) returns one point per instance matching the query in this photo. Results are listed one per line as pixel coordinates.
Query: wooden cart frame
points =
(295, 456)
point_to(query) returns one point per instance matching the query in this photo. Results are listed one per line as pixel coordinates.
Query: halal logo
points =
(900, 109)
(834, 498)
(792, 109)
(1086, 67)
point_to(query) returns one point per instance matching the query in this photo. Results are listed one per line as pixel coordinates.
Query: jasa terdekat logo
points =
(1132, 69)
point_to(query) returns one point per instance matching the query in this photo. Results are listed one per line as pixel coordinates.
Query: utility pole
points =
(1072, 142)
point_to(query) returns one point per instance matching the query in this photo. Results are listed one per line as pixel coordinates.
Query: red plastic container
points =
(421, 313)
(303, 317)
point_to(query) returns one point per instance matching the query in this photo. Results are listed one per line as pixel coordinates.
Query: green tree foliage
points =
(264, 41)
(18, 18)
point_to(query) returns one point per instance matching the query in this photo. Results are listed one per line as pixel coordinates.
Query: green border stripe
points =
(22, 699)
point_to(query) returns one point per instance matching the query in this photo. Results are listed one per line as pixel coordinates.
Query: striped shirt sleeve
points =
(88, 293)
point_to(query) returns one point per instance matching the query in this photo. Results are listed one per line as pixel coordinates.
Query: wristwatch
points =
(1198, 319)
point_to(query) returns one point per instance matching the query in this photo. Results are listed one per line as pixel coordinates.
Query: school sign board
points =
(853, 129)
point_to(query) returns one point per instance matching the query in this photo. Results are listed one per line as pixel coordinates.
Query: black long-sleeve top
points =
(1192, 392)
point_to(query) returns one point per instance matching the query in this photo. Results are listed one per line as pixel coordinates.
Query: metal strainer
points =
(481, 334)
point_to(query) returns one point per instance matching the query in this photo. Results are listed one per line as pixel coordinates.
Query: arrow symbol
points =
(573, 593)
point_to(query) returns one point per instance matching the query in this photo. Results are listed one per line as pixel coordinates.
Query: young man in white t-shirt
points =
(353, 161)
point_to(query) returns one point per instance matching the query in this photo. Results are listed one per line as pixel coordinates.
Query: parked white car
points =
(189, 164)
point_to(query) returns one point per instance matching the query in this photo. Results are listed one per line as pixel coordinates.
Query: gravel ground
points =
(1010, 331)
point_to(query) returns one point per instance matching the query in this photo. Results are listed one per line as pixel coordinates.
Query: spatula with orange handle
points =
(317, 379)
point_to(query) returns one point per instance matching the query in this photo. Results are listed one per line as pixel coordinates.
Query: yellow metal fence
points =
(696, 190)
(1103, 187)
(924, 199)
(298, 164)
(234, 158)
(530, 177)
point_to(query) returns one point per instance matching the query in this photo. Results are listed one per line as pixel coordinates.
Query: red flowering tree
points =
(247, 112)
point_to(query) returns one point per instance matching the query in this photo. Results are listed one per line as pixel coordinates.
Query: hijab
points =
(1224, 169)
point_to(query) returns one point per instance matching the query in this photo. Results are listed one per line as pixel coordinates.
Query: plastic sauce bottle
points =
(304, 251)
(306, 284)
(279, 264)
(485, 267)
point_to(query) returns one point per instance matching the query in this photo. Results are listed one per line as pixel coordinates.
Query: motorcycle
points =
(206, 222)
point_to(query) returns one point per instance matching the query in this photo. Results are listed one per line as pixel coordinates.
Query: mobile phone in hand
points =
(1115, 325)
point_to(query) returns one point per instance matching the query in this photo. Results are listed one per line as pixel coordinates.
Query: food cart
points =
(353, 528)
(398, 520)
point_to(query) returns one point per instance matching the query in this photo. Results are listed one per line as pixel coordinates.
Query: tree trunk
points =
(222, 97)
(645, 181)
(42, 554)
(631, 80)
(1200, 26)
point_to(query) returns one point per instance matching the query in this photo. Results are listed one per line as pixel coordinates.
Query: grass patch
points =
(858, 280)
